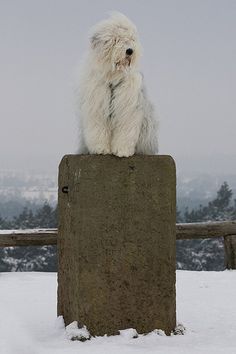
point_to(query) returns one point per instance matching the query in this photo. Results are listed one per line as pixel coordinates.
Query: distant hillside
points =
(24, 189)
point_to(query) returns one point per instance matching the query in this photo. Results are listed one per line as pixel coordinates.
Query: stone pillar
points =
(116, 243)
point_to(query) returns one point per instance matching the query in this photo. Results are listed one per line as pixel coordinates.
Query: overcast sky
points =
(188, 62)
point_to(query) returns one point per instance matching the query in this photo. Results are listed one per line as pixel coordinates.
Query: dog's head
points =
(114, 43)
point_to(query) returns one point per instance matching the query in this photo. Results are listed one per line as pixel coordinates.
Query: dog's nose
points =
(129, 51)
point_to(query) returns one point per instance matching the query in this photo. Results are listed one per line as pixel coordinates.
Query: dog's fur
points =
(115, 115)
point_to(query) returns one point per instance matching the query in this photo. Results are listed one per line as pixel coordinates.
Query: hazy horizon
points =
(188, 62)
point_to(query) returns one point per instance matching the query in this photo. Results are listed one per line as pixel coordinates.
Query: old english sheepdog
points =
(115, 115)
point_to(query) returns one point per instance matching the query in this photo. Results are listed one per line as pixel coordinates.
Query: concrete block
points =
(116, 242)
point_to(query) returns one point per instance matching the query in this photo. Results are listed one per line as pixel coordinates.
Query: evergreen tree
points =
(4, 224)
(25, 220)
(219, 209)
(46, 217)
(179, 218)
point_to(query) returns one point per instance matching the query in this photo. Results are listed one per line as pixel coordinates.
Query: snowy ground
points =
(206, 305)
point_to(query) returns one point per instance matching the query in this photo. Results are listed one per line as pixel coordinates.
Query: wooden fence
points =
(194, 231)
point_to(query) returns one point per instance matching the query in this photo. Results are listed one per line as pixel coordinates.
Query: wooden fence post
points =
(116, 243)
(230, 251)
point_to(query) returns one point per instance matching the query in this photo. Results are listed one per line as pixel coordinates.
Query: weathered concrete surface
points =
(116, 242)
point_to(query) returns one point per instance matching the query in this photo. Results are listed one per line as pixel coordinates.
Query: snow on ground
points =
(206, 306)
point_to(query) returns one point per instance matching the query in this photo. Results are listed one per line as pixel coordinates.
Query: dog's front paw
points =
(123, 152)
(104, 152)
(100, 150)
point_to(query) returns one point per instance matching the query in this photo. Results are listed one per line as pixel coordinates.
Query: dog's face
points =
(115, 44)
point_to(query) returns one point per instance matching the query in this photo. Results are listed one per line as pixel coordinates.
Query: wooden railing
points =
(31, 237)
(226, 229)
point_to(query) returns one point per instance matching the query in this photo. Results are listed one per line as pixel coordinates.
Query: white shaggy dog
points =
(115, 115)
